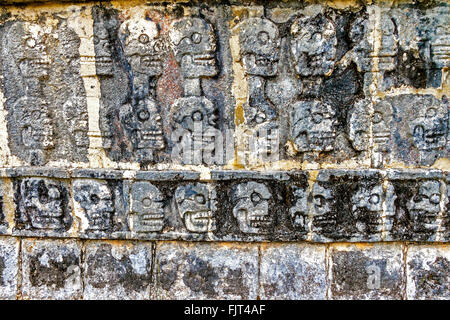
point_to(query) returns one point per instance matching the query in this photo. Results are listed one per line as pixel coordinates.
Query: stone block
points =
(9, 267)
(427, 272)
(51, 269)
(366, 272)
(293, 272)
(205, 271)
(117, 270)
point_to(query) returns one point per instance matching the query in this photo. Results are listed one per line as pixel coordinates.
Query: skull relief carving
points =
(195, 204)
(323, 198)
(96, 202)
(313, 45)
(299, 211)
(251, 207)
(147, 207)
(429, 129)
(313, 126)
(367, 209)
(41, 204)
(382, 122)
(76, 116)
(424, 207)
(259, 40)
(142, 46)
(103, 52)
(359, 125)
(26, 43)
(194, 44)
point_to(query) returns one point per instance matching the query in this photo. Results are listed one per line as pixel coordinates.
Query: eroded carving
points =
(424, 206)
(95, 203)
(147, 207)
(193, 42)
(359, 123)
(299, 210)
(42, 205)
(430, 128)
(140, 118)
(313, 126)
(196, 204)
(313, 45)
(367, 209)
(322, 217)
(251, 207)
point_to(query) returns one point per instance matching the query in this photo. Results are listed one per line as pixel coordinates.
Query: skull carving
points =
(429, 129)
(142, 46)
(259, 40)
(198, 116)
(251, 207)
(313, 126)
(363, 48)
(388, 51)
(313, 45)
(424, 207)
(26, 43)
(359, 123)
(367, 208)
(299, 211)
(143, 124)
(96, 202)
(196, 204)
(103, 52)
(323, 219)
(147, 207)
(35, 124)
(382, 122)
(76, 116)
(42, 204)
(440, 46)
(194, 44)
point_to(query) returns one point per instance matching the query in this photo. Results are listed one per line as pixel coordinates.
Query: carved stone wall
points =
(224, 150)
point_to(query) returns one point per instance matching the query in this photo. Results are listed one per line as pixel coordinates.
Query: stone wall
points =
(224, 150)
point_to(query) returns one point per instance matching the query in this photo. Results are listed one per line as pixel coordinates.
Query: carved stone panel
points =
(45, 95)
(101, 206)
(43, 207)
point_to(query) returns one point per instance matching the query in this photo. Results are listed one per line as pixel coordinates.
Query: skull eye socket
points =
(143, 115)
(377, 117)
(374, 199)
(317, 117)
(418, 131)
(418, 198)
(96, 40)
(319, 201)
(94, 199)
(53, 193)
(143, 38)
(263, 37)
(158, 46)
(200, 199)
(196, 37)
(431, 112)
(255, 197)
(146, 202)
(31, 43)
(317, 37)
(197, 116)
(435, 199)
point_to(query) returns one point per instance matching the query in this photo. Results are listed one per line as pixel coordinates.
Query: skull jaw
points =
(256, 223)
(258, 65)
(151, 222)
(40, 219)
(198, 65)
(100, 221)
(199, 221)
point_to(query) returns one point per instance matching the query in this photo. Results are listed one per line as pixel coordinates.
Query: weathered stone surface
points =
(101, 206)
(3, 221)
(205, 271)
(47, 110)
(293, 271)
(119, 270)
(427, 272)
(9, 267)
(51, 269)
(43, 207)
(366, 272)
